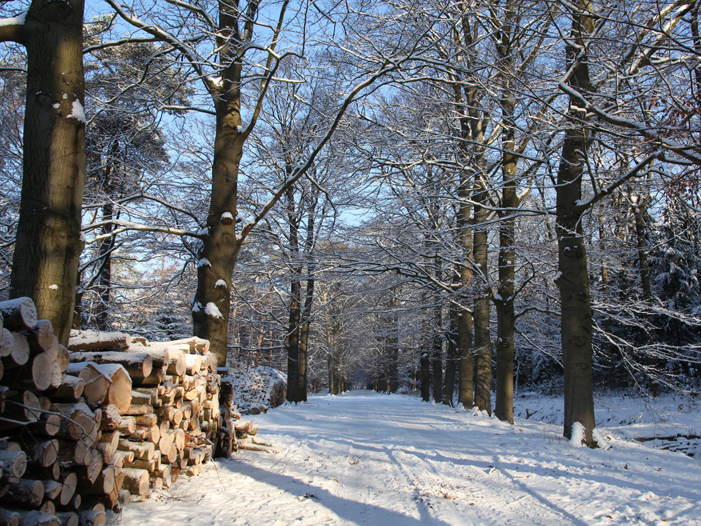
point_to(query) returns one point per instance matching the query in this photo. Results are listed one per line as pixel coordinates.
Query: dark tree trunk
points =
(504, 302)
(436, 356)
(451, 365)
(48, 243)
(483, 344)
(572, 280)
(425, 377)
(104, 282)
(293, 343)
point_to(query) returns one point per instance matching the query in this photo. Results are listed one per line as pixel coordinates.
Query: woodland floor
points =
(368, 458)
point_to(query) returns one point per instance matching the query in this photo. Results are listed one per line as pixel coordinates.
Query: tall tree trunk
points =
(304, 339)
(293, 342)
(425, 377)
(393, 347)
(48, 243)
(504, 302)
(436, 356)
(483, 344)
(221, 244)
(573, 279)
(104, 282)
(451, 365)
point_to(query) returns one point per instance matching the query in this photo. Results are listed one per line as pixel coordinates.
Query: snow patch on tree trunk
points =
(212, 310)
(578, 435)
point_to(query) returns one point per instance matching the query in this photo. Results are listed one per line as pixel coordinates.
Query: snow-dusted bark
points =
(49, 243)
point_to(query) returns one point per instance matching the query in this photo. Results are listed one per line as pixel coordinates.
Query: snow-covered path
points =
(367, 458)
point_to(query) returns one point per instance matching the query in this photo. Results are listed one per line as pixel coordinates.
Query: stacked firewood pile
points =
(87, 429)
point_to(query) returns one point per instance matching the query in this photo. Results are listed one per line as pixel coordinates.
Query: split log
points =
(138, 365)
(136, 480)
(18, 314)
(97, 341)
(149, 433)
(193, 364)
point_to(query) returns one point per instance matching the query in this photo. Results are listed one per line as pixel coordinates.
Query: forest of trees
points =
(460, 198)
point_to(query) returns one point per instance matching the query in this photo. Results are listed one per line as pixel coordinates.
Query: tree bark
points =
(483, 344)
(572, 279)
(48, 243)
(451, 365)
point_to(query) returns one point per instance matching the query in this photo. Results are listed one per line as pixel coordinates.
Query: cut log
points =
(119, 392)
(56, 375)
(88, 475)
(9, 518)
(52, 472)
(127, 425)
(143, 450)
(138, 410)
(52, 489)
(97, 341)
(193, 364)
(40, 337)
(26, 493)
(43, 453)
(199, 345)
(18, 314)
(48, 507)
(103, 484)
(136, 480)
(42, 371)
(80, 370)
(70, 483)
(20, 351)
(68, 518)
(6, 343)
(108, 443)
(13, 464)
(72, 452)
(21, 407)
(150, 433)
(92, 518)
(53, 350)
(71, 387)
(138, 365)
(77, 421)
(63, 359)
(146, 420)
(37, 518)
(111, 419)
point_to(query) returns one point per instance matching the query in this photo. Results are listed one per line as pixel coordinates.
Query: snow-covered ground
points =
(367, 458)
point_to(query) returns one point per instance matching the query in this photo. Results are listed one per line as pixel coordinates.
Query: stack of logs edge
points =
(87, 429)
